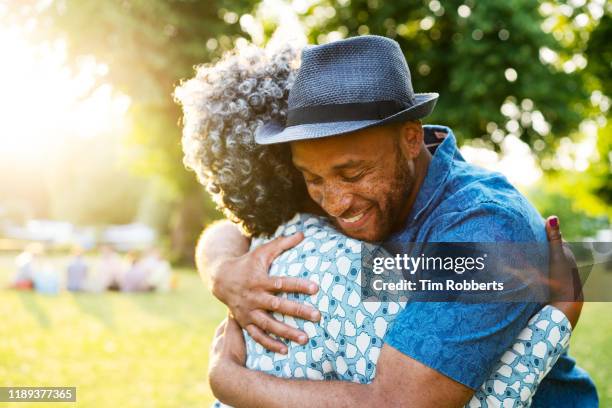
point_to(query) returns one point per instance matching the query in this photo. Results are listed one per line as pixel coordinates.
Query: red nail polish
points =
(554, 222)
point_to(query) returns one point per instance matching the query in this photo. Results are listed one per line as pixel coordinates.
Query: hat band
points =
(344, 112)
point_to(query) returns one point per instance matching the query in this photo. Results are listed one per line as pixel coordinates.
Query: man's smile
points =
(353, 219)
(355, 222)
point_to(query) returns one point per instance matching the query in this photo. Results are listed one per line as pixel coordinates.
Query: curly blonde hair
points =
(255, 186)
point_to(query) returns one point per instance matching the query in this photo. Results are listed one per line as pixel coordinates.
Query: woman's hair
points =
(254, 185)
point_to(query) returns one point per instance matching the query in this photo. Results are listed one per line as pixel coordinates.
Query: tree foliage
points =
(479, 55)
(522, 67)
(149, 46)
(470, 52)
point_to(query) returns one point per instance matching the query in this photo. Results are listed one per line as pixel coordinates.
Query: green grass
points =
(127, 350)
(591, 346)
(145, 350)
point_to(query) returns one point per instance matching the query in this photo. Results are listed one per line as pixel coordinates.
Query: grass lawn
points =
(122, 350)
(150, 350)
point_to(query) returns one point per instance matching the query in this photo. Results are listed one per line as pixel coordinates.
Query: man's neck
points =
(421, 165)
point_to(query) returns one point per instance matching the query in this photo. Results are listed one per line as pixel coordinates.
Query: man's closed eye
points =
(354, 178)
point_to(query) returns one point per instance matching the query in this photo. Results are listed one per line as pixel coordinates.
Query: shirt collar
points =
(437, 172)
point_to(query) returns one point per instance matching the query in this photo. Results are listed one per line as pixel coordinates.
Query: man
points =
(354, 129)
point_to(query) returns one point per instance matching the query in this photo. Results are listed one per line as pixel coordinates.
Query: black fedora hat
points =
(345, 86)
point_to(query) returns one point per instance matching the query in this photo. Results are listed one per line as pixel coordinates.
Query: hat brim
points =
(274, 132)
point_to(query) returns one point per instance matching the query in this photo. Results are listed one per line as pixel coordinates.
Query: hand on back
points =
(244, 285)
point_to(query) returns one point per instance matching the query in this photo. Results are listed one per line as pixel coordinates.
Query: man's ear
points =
(411, 138)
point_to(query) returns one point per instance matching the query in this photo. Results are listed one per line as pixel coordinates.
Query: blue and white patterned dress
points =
(346, 343)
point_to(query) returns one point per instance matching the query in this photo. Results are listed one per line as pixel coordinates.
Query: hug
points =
(317, 159)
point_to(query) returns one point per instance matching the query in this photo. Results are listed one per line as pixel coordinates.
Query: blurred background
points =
(92, 180)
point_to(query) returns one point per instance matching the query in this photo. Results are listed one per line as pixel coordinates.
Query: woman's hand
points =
(243, 284)
(228, 344)
(227, 352)
(565, 289)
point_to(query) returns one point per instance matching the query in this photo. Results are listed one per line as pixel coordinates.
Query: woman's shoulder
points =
(306, 223)
(320, 235)
(323, 244)
(309, 224)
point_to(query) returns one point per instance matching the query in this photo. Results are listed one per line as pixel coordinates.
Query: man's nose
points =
(335, 201)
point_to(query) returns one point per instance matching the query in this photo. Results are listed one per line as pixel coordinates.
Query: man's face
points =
(361, 180)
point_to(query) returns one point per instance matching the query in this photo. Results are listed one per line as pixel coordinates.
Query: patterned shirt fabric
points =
(345, 345)
(459, 202)
(516, 376)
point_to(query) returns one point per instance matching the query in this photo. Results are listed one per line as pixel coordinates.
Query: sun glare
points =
(43, 101)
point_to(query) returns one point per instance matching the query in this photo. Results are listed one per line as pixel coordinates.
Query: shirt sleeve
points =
(464, 341)
(521, 369)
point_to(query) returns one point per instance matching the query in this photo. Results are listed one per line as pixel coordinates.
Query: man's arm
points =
(240, 279)
(219, 242)
(400, 382)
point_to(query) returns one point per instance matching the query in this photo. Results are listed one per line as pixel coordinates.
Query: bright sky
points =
(43, 102)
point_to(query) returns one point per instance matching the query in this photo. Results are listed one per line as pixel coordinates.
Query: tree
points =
(148, 46)
(599, 69)
(522, 67)
(479, 56)
(497, 70)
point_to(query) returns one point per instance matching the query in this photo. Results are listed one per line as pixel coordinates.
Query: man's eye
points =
(354, 178)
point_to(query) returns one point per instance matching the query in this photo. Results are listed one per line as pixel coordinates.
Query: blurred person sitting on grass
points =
(76, 272)
(135, 277)
(148, 272)
(47, 278)
(257, 187)
(108, 271)
(160, 276)
(26, 264)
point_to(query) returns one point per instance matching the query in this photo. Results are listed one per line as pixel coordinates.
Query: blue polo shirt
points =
(459, 202)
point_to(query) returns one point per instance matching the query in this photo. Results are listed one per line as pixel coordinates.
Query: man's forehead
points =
(340, 164)
(340, 151)
(343, 157)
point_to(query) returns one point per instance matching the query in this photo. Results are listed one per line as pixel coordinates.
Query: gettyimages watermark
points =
(485, 272)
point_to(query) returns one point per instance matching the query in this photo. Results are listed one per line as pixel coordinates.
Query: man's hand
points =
(243, 284)
(565, 287)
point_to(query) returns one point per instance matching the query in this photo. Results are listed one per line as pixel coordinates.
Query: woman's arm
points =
(565, 284)
(522, 368)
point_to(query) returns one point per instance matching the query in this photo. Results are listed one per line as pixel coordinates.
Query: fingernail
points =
(314, 315)
(554, 222)
(302, 339)
(313, 288)
(284, 350)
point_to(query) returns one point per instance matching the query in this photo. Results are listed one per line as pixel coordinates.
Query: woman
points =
(257, 187)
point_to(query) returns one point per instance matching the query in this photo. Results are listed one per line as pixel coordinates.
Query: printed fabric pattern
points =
(346, 343)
